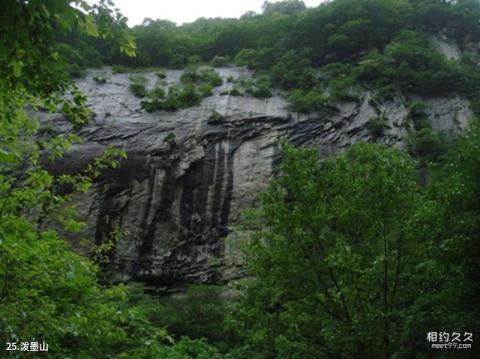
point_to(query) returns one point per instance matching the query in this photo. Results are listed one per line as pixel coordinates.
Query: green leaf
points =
(90, 26)
(17, 68)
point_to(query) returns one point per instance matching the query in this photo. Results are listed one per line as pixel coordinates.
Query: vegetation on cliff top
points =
(319, 54)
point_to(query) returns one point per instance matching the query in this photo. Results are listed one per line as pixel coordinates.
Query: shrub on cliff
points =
(194, 75)
(220, 61)
(138, 85)
(176, 98)
(259, 87)
(307, 101)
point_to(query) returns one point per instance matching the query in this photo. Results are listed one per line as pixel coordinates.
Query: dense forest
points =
(318, 54)
(358, 255)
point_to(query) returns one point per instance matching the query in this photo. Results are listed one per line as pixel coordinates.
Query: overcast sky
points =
(181, 11)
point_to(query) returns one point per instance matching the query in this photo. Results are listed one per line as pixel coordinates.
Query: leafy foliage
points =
(47, 292)
(350, 245)
(201, 312)
(193, 75)
(286, 7)
(331, 246)
(196, 85)
(322, 51)
(137, 85)
(176, 98)
(259, 87)
(351, 256)
(377, 126)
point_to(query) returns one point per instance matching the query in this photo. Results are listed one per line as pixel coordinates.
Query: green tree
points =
(48, 293)
(334, 258)
(286, 7)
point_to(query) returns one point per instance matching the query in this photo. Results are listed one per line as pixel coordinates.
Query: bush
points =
(259, 87)
(138, 85)
(211, 77)
(236, 91)
(215, 117)
(187, 96)
(418, 115)
(155, 96)
(190, 75)
(199, 313)
(417, 108)
(219, 61)
(294, 71)
(475, 105)
(161, 74)
(206, 90)
(193, 75)
(120, 69)
(426, 143)
(170, 138)
(194, 60)
(100, 79)
(177, 97)
(138, 90)
(76, 71)
(197, 84)
(307, 101)
(246, 57)
(386, 92)
(151, 105)
(377, 125)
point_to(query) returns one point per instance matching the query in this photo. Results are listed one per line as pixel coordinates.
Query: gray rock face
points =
(176, 203)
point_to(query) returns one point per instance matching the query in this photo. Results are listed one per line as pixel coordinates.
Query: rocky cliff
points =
(190, 174)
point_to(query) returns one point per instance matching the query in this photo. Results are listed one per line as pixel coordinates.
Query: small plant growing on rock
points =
(219, 61)
(137, 85)
(206, 90)
(176, 98)
(157, 93)
(377, 125)
(161, 74)
(100, 79)
(418, 114)
(418, 108)
(307, 101)
(170, 139)
(235, 92)
(386, 92)
(120, 69)
(215, 116)
(259, 88)
(194, 60)
(426, 143)
(375, 103)
(193, 75)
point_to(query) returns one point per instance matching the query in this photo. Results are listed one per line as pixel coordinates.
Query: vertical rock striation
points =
(176, 202)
